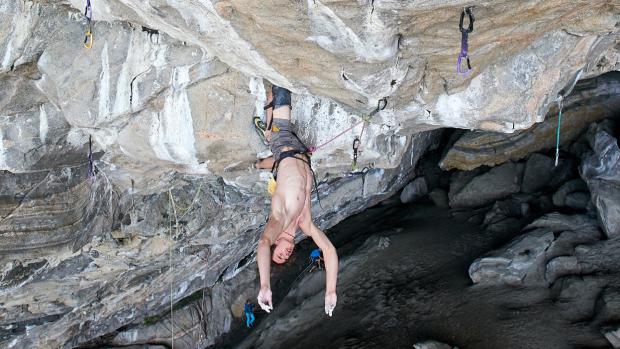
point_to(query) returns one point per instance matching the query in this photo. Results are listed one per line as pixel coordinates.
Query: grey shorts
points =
(285, 137)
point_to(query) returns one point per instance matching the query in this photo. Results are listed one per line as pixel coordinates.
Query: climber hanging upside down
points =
(290, 203)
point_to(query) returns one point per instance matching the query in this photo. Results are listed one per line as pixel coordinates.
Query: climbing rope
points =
(381, 104)
(174, 210)
(297, 278)
(91, 170)
(88, 37)
(464, 36)
(560, 101)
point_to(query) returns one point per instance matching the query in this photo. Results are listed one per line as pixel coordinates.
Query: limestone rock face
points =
(586, 104)
(167, 94)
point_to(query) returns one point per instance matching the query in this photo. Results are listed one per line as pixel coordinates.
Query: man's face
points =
(282, 251)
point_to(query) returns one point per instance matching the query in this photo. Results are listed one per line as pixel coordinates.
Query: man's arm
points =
(331, 265)
(263, 259)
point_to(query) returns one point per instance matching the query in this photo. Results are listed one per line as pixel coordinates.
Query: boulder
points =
(439, 197)
(536, 175)
(414, 191)
(578, 200)
(560, 197)
(521, 262)
(601, 171)
(539, 256)
(493, 185)
(613, 336)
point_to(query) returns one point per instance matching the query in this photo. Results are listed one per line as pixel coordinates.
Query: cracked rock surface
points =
(169, 211)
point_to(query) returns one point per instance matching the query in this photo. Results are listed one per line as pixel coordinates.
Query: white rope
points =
(560, 101)
(173, 209)
(171, 271)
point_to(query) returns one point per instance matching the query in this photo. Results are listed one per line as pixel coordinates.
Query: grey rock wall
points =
(167, 93)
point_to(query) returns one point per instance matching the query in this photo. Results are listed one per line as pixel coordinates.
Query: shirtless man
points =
(290, 204)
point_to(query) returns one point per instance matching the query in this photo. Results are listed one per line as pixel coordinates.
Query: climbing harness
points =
(272, 184)
(91, 169)
(560, 101)
(381, 104)
(88, 37)
(464, 36)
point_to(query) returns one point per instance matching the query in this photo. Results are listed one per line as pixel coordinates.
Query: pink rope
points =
(315, 148)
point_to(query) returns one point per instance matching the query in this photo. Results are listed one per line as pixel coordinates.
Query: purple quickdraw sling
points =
(464, 35)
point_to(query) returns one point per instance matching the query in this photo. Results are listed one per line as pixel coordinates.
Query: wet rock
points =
(481, 190)
(414, 191)
(560, 198)
(613, 336)
(578, 200)
(522, 262)
(578, 296)
(431, 344)
(601, 171)
(557, 222)
(439, 197)
(566, 265)
(536, 175)
(565, 171)
(506, 215)
(539, 256)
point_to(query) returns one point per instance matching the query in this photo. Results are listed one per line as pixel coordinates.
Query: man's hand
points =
(264, 299)
(330, 302)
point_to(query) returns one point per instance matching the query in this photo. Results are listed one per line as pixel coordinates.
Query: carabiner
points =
(458, 64)
(88, 39)
(88, 14)
(356, 145)
(470, 14)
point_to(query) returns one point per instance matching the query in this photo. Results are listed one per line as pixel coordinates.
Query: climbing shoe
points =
(260, 128)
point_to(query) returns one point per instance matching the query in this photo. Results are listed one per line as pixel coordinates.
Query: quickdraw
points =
(88, 37)
(381, 104)
(464, 36)
(356, 145)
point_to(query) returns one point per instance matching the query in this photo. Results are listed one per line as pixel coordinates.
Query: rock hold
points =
(541, 255)
(601, 171)
(414, 191)
(481, 190)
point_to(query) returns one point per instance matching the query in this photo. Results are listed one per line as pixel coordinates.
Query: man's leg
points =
(247, 320)
(266, 163)
(281, 103)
